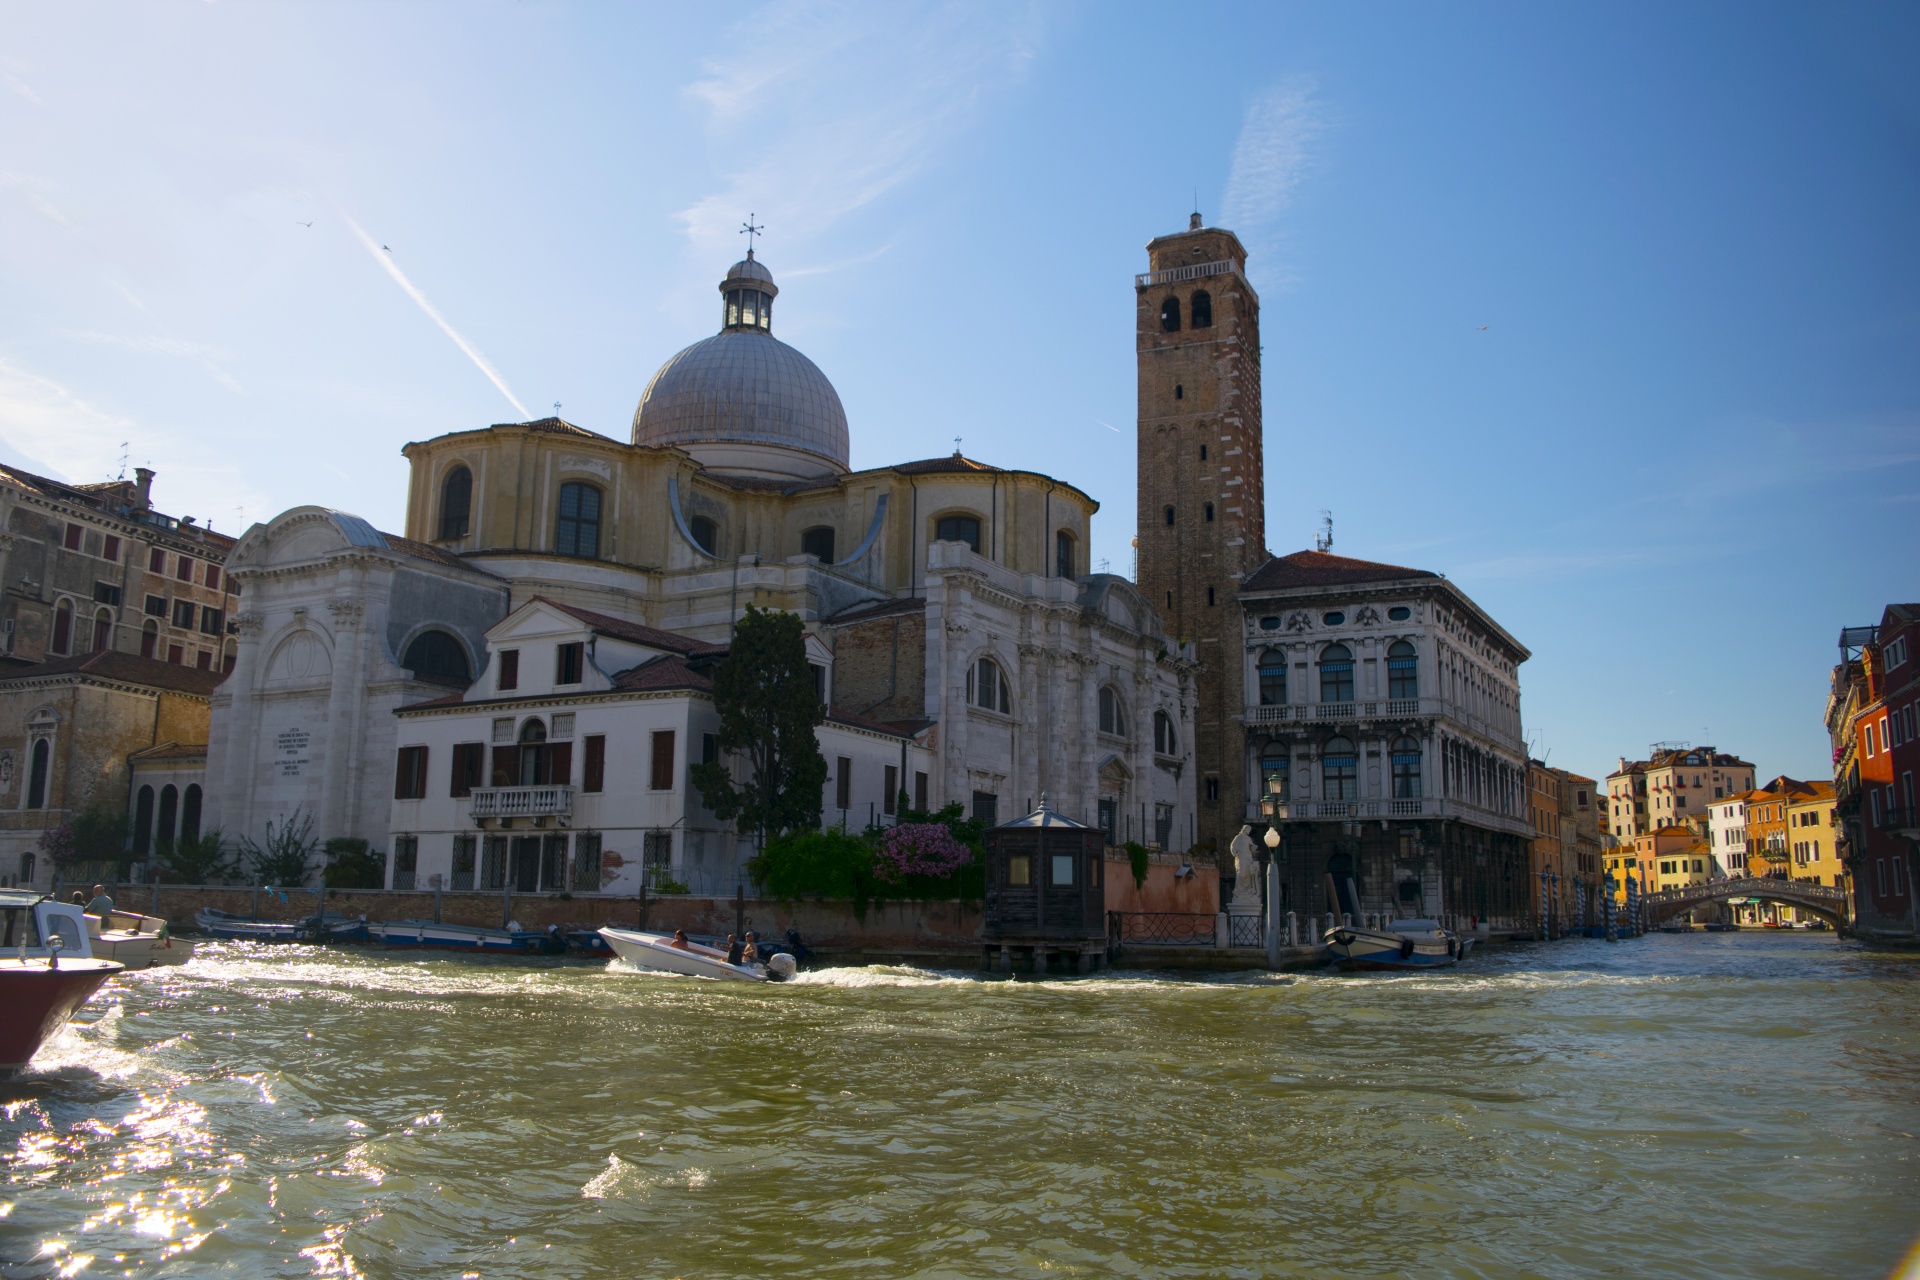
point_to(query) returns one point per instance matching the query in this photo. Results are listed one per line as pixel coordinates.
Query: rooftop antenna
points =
(556, 408)
(750, 229)
(956, 446)
(1323, 540)
(123, 461)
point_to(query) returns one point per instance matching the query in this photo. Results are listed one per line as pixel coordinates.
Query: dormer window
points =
(569, 661)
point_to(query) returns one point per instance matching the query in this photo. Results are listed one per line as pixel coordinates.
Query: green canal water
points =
(1704, 1105)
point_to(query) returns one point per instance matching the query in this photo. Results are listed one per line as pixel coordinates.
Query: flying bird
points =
(304, 224)
(1485, 327)
(384, 249)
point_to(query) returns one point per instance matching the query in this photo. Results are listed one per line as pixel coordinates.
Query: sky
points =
(1608, 312)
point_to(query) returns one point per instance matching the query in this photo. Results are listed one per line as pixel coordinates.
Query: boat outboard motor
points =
(780, 966)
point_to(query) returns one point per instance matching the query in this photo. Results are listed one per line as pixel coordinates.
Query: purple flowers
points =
(919, 849)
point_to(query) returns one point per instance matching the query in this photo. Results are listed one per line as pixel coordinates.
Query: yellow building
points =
(1810, 836)
(1676, 784)
(1661, 859)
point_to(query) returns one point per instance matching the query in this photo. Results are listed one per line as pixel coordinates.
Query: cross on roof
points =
(749, 229)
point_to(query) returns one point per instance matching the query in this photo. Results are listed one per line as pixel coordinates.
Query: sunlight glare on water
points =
(1701, 1105)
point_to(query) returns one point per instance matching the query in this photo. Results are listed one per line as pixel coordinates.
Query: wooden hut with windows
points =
(1044, 892)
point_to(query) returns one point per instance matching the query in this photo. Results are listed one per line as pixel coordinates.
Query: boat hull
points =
(218, 924)
(1357, 948)
(36, 1000)
(653, 951)
(424, 935)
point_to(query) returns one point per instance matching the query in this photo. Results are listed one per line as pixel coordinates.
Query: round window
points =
(1269, 624)
(1333, 619)
(1399, 613)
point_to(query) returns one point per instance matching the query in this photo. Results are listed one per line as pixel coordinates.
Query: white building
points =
(1727, 835)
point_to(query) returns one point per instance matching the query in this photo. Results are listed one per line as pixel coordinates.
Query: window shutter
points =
(504, 760)
(560, 764)
(594, 771)
(663, 760)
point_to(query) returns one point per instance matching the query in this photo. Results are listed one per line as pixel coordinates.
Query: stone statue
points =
(1246, 874)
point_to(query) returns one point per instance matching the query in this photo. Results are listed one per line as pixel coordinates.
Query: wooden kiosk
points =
(1044, 892)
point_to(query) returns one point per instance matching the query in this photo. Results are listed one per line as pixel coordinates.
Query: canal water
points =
(1701, 1105)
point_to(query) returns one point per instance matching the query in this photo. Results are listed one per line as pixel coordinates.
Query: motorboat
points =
(329, 926)
(657, 952)
(47, 970)
(429, 935)
(136, 941)
(1399, 944)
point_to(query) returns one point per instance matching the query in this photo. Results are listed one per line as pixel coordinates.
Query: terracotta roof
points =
(1324, 569)
(869, 609)
(427, 551)
(558, 426)
(862, 722)
(947, 465)
(670, 671)
(128, 667)
(637, 632)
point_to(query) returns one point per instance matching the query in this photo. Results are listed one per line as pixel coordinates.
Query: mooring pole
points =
(740, 912)
(643, 905)
(1273, 913)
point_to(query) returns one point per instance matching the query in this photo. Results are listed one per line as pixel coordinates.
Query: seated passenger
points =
(750, 954)
(680, 940)
(734, 949)
(102, 904)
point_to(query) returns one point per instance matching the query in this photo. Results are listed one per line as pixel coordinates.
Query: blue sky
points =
(1684, 450)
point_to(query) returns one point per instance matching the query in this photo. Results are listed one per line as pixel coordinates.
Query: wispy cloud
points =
(385, 259)
(146, 344)
(819, 109)
(1272, 154)
(8, 66)
(35, 190)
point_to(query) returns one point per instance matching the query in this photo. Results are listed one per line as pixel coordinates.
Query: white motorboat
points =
(1400, 944)
(656, 951)
(136, 941)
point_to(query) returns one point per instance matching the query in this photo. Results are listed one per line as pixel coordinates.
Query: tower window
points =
(1203, 453)
(706, 535)
(958, 529)
(818, 543)
(1179, 392)
(1209, 513)
(1170, 316)
(456, 502)
(1063, 557)
(1209, 597)
(576, 532)
(1203, 310)
(1169, 515)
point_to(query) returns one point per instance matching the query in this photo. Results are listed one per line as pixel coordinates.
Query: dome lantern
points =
(749, 292)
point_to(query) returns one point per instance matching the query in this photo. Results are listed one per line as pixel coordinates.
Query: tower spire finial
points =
(750, 230)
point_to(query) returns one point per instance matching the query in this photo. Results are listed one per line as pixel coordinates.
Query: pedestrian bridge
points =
(1826, 901)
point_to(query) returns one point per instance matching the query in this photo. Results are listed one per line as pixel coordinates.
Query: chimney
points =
(1623, 764)
(143, 488)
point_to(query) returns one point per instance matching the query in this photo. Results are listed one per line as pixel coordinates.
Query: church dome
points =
(743, 400)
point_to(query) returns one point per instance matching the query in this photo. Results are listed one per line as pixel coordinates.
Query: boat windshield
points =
(18, 928)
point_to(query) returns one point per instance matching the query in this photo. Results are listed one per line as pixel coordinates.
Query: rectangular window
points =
(183, 614)
(594, 773)
(74, 534)
(662, 760)
(1109, 818)
(656, 857)
(568, 661)
(156, 606)
(1019, 869)
(156, 561)
(469, 760)
(213, 577)
(560, 764)
(106, 593)
(203, 660)
(110, 549)
(986, 807)
(176, 655)
(1063, 869)
(920, 791)
(463, 851)
(889, 803)
(586, 862)
(410, 774)
(509, 669)
(406, 859)
(183, 568)
(212, 621)
(493, 863)
(843, 784)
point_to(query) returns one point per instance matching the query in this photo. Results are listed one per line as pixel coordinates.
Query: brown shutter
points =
(843, 785)
(663, 760)
(594, 769)
(560, 764)
(402, 774)
(504, 759)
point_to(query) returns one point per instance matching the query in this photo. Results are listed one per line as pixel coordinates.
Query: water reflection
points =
(1565, 1110)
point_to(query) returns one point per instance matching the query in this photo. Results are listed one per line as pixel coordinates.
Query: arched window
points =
(1168, 514)
(1063, 557)
(190, 812)
(1339, 771)
(1273, 678)
(149, 638)
(1113, 718)
(534, 764)
(958, 529)
(986, 687)
(1403, 671)
(63, 627)
(169, 814)
(143, 822)
(1203, 310)
(1170, 316)
(706, 534)
(1336, 674)
(1274, 772)
(576, 531)
(102, 630)
(437, 656)
(37, 774)
(1164, 740)
(1406, 769)
(456, 502)
(818, 543)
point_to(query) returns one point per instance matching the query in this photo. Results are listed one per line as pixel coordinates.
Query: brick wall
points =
(880, 667)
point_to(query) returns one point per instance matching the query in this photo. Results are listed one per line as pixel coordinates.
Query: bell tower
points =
(1202, 512)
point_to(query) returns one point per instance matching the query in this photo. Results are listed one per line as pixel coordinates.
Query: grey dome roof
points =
(744, 386)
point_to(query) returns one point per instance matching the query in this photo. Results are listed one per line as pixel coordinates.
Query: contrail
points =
(386, 260)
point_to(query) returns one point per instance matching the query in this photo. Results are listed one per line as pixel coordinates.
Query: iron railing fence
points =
(1161, 928)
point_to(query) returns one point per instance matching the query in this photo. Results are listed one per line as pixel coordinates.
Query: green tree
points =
(204, 859)
(282, 855)
(763, 690)
(352, 864)
(95, 835)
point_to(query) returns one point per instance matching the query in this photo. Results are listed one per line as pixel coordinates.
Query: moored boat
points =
(328, 927)
(136, 941)
(655, 951)
(427, 935)
(47, 970)
(1402, 944)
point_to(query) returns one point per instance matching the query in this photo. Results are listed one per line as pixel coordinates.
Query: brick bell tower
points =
(1202, 512)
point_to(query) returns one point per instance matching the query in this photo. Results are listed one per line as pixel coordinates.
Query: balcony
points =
(1391, 810)
(521, 802)
(1347, 712)
(1902, 822)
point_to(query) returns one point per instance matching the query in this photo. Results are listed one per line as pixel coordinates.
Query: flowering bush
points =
(919, 849)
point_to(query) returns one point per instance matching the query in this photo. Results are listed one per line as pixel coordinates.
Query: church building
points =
(963, 649)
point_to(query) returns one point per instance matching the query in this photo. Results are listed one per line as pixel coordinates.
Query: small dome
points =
(748, 269)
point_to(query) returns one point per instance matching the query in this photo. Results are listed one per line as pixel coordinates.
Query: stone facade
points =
(1201, 495)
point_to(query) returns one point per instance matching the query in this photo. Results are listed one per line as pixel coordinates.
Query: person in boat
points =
(680, 940)
(735, 948)
(750, 953)
(79, 899)
(102, 904)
